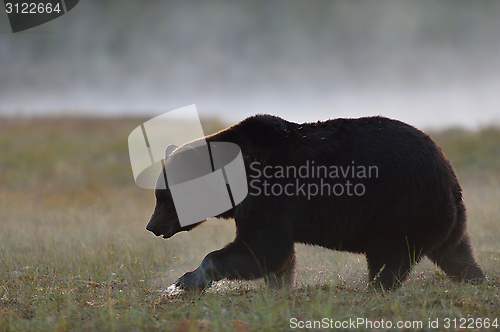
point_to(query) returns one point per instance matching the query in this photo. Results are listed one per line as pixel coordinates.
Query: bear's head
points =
(164, 220)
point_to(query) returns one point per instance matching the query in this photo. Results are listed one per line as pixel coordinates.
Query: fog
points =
(433, 64)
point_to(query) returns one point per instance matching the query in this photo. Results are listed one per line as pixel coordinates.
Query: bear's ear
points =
(169, 150)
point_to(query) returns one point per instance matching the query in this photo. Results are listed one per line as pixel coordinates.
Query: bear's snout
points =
(153, 227)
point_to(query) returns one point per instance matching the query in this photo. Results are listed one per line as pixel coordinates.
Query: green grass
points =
(74, 253)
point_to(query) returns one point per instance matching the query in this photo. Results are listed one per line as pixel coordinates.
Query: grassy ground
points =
(74, 254)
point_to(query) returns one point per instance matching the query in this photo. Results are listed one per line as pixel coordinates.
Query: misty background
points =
(432, 64)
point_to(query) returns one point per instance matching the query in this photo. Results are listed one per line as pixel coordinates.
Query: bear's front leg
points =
(240, 260)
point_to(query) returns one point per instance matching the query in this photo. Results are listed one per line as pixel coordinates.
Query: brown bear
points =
(371, 185)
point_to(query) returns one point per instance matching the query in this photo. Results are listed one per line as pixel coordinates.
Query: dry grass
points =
(74, 253)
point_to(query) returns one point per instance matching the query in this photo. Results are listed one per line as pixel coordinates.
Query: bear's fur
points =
(411, 205)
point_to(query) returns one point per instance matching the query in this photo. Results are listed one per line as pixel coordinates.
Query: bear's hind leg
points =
(388, 269)
(458, 262)
(282, 278)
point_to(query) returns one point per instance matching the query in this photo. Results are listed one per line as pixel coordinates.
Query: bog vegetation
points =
(75, 255)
